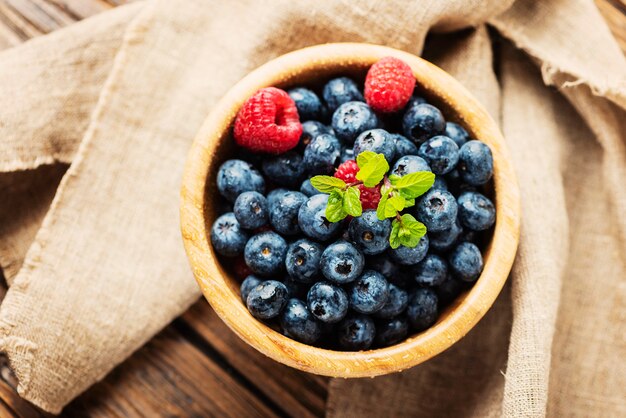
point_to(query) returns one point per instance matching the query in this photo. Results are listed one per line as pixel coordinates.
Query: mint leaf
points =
(327, 184)
(407, 231)
(352, 201)
(386, 209)
(382, 205)
(364, 157)
(334, 208)
(390, 210)
(408, 203)
(394, 239)
(413, 185)
(398, 202)
(373, 171)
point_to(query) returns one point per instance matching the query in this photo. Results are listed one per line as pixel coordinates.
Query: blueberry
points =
(265, 253)
(296, 289)
(449, 290)
(284, 212)
(308, 104)
(437, 209)
(409, 256)
(298, 323)
(267, 299)
(415, 100)
(274, 195)
(441, 153)
(404, 146)
(466, 262)
(395, 305)
(321, 155)
(456, 185)
(369, 233)
(440, 183)
(369, 292)
(346, 154)
(303, 259)
(341, 262)
(431, 271)
(444, 240)
(307, 189)
(392, 272)
(339, 91)
(251, 210)
(284, 169)
(247, 285)
(312, 219)
(227, 236)
(356, 332)
(391, 331)
(236, 176)
(422, 308)
(409, 164)
(476, 212)
(468, 236)
(327, 302)
(352, 118)
(421, 122)
(378, 141)
(456, 133)
(475, 163)
(311, 129)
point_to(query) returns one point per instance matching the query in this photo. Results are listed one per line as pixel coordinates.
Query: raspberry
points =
(389, 85)
(268, 122)
(347, 171)
(370, 196)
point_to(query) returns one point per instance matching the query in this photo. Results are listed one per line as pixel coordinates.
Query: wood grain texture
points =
(199, 206)
(103, 399)
(170, 376)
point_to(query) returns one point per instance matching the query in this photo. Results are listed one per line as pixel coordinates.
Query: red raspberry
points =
(370, 196)
(347, 171)
(268, 122)
(389, 85)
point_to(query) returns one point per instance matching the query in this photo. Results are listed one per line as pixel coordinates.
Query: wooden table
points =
(196, 366)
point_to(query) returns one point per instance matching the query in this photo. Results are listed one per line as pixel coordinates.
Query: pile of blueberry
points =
(342, 285)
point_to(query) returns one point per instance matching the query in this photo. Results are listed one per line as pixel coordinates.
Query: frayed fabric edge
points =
(22, 164)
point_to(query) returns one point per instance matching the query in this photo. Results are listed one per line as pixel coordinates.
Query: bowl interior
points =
(200, 201)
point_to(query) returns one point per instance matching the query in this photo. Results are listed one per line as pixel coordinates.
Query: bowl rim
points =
(469, 308)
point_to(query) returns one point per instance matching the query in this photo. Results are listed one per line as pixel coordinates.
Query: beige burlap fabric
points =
(97, 266)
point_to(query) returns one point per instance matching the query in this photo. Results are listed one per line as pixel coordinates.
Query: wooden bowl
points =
(200, 198)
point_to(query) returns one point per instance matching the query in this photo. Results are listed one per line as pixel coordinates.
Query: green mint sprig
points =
(345, 199)
(397, 194)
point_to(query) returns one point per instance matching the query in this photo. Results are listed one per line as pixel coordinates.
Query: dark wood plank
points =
(80, 9)
(40, 14)
(169, 377)
(10, 403)
(299, 394)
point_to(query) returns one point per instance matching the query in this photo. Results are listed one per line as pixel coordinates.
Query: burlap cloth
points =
(96, 265)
